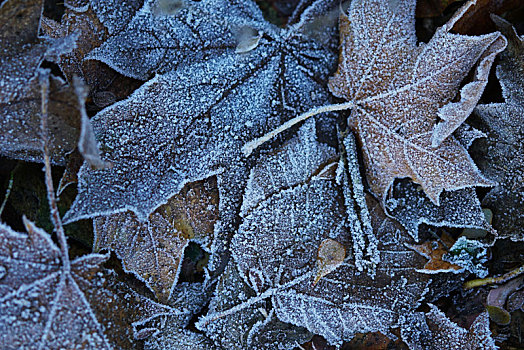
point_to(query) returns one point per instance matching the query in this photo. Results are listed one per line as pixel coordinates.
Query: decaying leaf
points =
(434, 251)
(330, 255)
(450, 255)
(189, 122)
(153, 250)
(502, 153)
(47, 306)
(276, 248)
(398, 90)
(434, 331)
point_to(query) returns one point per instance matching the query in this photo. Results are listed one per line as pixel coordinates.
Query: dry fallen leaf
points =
(399, 90)
(276, 251)
(330, 255)
(434, 331)
(153, 250)
(46, 303)
(502, 153)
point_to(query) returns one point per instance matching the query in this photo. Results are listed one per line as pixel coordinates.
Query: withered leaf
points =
(399, 90)
(434, 331)
(189, 123)
(502, 153)
(47, 306)
(153, 250)
(275, 250)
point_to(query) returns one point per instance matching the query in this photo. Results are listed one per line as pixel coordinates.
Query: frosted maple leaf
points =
(401, 94)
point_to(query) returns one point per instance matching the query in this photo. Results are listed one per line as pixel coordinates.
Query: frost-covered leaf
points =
(398, 90)
(47, 306)
(189, 123)
(20, 97)
(502, 154)
(434, 331)
(115, 14)
(459, 208)
(254, 325)
(153, 250)
(470, 255)
(187, 299)
(92, 32)
(276, 250)
(450, 255)
(22, 49)
(20, 122)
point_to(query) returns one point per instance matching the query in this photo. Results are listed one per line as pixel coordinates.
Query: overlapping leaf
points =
(399, 90)
(434, 331)
(22, 53)
(93, 27)
(502, 157)
(189, 123)
(154, 249)
(276, 253)
(47, 306)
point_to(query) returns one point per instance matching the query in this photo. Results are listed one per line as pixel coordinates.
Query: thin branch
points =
(494, 280)
(7, 192)
(252, 145)
(55, 215)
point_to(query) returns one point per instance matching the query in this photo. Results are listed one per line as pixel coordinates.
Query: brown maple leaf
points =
(402, 95)
(153, 249)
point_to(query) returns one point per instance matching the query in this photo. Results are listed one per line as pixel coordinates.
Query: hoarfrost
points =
(411, 207)
(364, 240)
(275, 251)
(189, 123)
(503, 158)
(470, 255)
(43, 305)
(397, 89)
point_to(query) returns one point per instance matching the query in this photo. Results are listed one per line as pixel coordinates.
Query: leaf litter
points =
(311, 251)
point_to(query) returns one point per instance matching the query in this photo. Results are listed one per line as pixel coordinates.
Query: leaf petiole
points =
(252, 145)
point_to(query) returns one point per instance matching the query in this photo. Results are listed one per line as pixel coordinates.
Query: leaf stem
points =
(494, 280)
(55, 215)
(252, 145)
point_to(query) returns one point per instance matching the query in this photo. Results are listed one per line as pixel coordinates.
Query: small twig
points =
(55, 215)
(7, 193)
(252, 145)
(494, 280)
